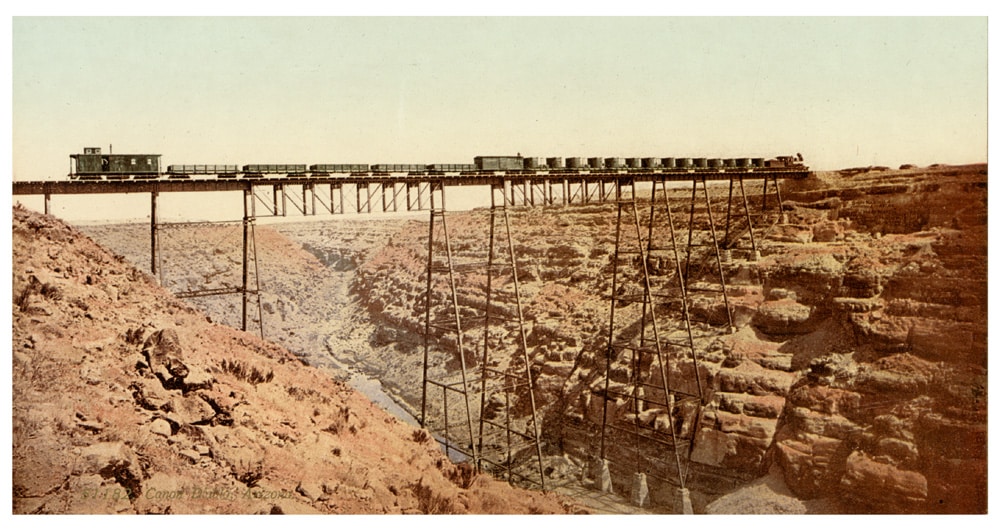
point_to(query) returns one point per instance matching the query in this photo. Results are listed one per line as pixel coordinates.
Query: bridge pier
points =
(682, 502)
(640, 490)
(48, 208)
(602, 475)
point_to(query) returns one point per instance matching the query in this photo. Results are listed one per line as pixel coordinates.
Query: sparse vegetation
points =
(421, 436)
(246, 373)
(36, 287)
(249, 474)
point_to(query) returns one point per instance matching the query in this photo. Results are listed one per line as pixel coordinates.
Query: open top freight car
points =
(499, 163)
(94, 165)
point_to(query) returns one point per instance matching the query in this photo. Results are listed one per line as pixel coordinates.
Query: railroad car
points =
(187, 171)
(398, 168)
(451, 167)
(94, 165)
(499, 163)
(323, 169)
(274, 168)
(535, 163)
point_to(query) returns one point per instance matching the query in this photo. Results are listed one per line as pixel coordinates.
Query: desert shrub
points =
(421, 436)
(36, 287)
(246, 373)
(249, 474)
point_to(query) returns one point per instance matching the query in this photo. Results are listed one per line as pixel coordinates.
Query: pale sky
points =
(842, 91)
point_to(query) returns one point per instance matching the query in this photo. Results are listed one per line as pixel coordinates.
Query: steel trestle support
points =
(250, 265)
(502, 440)
(665, 395)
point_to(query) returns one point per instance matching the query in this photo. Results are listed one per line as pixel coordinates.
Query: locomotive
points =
(93, 165)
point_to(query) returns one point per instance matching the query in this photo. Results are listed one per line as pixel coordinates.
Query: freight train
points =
(93, 165)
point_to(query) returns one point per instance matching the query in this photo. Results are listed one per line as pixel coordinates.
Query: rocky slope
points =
(126, 400)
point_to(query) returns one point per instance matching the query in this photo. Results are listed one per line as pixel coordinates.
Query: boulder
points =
(812, 464)
(190, 410)
(882, 487)
(107, 459)
(793, 233)
(310, 490)
(827, 231)
(197, 378)
(164, 355)
(713, 447)
(161, 427)
(756, 427)
(191, 455)
(784, 316)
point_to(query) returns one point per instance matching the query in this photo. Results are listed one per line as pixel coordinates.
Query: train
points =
(93, 165)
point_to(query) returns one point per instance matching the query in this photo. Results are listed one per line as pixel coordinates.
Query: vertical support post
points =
(524, 347)
(506, 412)
(718, 258)
(687, 259)
(256, 270)
(746, 210)
(763, 204)
(611, 330)
(427, 315)
(312, 193)
(246, 254)
(284, 201)
(729, 209)
(486, 318)
(777, 191)
(565, 190)
(48, 201)
(447, 436)
(152, 232)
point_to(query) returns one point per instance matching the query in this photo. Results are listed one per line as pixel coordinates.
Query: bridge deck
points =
(73, 187)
